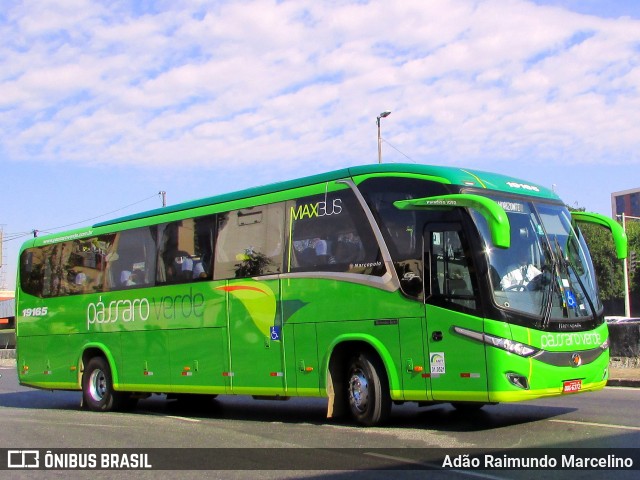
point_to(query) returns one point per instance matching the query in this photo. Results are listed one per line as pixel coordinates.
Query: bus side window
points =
(32, 265)
(185, 250)
(66, 268)
(85, 270)
(132, 264)
(330, 233)
(451, 276)
(250, 242)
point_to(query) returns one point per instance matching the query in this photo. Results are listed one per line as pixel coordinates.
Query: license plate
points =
(571, 386)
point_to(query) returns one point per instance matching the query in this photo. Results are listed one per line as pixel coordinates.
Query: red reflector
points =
(465, 375)
(4, 321)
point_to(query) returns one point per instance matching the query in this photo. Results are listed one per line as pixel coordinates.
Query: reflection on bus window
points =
(402, 229)
(134, 259)
(450, 270)
(67, 268)
(122, 260)
(330, 232)
(250, 242)
(185, 250)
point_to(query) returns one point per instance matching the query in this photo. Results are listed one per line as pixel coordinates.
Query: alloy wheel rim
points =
(359, 391)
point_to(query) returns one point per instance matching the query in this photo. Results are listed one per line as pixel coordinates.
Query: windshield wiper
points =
(567, 267)
(554, 272)
(561, 261)
(547, 297)
(556, 260)
(585, 293)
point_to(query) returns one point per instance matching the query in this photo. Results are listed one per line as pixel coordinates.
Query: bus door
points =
(456, 363)
(255, 337)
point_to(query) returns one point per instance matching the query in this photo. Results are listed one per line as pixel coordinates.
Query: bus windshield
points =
(547, 271)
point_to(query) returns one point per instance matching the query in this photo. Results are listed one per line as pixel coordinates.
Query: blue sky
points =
(104, 104)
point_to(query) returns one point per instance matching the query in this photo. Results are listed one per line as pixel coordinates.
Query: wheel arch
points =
(95, 349)
(344, 347)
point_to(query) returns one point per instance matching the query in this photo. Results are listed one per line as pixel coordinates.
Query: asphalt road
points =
(48, 420)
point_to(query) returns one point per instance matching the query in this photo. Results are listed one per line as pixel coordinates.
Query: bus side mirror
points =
(619, 235)
(493, 213)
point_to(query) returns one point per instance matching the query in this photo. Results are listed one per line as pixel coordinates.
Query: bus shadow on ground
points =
(441, 417)
(41, 399)
(445, 417)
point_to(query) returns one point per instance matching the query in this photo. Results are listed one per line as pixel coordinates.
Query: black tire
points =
(97, 388)
(367, 390)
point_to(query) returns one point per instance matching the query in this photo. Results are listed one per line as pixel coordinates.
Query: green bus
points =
(367, 286)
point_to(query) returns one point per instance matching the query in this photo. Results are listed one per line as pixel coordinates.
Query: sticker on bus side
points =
(436, 360)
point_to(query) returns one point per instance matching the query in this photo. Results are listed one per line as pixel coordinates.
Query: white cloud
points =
(236, 83)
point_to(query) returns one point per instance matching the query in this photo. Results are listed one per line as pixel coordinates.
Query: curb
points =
(623, 382)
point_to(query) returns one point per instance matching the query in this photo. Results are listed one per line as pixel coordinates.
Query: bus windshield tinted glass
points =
(547, 271)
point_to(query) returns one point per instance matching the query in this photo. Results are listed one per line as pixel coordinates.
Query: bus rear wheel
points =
(97, 387)
(368, 390)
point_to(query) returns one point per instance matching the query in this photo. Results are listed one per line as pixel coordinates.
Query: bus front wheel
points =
(368, 390)
(97, 387)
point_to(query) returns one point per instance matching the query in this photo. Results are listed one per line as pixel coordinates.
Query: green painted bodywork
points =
(219, 337)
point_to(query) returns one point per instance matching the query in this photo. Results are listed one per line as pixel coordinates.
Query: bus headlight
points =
(510, 346)
(520, 349)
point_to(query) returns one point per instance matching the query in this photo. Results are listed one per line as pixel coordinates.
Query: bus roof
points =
(448, 175)
(452, 175)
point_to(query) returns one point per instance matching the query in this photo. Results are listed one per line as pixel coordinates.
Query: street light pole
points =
(627, 303)
(384, 114)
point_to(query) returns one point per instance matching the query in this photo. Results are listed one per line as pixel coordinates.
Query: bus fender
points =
(377, 346)
(104, 350)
